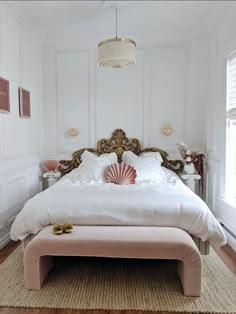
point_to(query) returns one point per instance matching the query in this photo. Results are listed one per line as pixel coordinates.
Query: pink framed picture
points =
(4, 95)
(24, 103)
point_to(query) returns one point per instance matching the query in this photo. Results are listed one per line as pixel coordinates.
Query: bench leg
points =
(190, 278)
(36, 272)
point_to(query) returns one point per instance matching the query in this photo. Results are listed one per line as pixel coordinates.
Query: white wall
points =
(222, 42)
(20, 139)
(177, 84)
(167, 87)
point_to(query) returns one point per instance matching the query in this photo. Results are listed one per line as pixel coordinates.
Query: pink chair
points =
(50, 165)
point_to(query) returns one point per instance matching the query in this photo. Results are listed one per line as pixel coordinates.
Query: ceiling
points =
(178, 20)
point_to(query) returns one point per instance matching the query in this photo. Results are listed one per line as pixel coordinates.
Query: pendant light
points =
(116, 52)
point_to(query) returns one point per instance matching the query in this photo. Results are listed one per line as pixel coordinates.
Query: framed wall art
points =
(24, 103)
(4, 95)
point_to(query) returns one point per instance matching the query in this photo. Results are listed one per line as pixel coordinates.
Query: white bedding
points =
(168, 203)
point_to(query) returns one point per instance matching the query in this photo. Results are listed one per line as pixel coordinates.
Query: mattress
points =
(163, 204)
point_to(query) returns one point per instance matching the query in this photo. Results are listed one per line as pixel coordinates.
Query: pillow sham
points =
(120, 174)
(171, 176)
(92, 167)
(148, 167)
(155, 155)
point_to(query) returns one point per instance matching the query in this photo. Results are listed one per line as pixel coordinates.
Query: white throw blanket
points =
(168, 203)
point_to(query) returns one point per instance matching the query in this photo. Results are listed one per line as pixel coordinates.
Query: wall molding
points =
(91, 85)
(5, 233)
(211, 189)
(97, 116)
(178, 47)
(5, 240)
(12, 201)
(57, 54)
(215, 162)
(98, 125)
(144, 103)
(146, 97)
(18, 165)
(95, 97)
(1, 196)
(20, 139)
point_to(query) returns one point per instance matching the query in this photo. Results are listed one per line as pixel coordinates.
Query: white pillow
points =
(93, 167)
(155, 155)
(148, 167)
(171, 176)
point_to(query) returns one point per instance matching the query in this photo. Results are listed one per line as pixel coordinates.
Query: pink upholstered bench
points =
(115, 241)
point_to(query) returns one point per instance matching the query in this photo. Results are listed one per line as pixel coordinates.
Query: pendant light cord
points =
(116, 22)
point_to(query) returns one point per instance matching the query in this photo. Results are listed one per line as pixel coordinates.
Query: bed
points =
(163, 204)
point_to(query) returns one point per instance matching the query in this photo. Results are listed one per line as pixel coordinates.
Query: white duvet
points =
(169, 203)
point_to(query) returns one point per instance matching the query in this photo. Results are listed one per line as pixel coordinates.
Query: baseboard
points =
(5, 240)
(5, 233)
(230, 233)
(231, 241)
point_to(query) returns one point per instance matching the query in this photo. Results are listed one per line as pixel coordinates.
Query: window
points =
(230, 190)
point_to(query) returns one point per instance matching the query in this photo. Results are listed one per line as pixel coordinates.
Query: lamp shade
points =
(116, 53)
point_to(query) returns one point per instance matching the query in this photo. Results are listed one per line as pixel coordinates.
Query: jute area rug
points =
(118, 284)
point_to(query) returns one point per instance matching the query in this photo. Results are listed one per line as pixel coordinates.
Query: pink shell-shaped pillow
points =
(120, 174)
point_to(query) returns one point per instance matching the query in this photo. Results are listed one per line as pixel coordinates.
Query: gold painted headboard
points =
(119, 143)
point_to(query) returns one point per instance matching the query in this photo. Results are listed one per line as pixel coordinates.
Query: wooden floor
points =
(227, 254)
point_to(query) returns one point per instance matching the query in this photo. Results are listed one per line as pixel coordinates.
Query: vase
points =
(189, 168)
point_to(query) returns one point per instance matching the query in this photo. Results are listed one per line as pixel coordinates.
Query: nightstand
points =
(52, 177)
(190, 180)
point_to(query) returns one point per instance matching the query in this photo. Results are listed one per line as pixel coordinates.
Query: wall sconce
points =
(73, 132)
(167, 130)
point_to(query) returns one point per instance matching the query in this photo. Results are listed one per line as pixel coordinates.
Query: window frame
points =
(230, 115)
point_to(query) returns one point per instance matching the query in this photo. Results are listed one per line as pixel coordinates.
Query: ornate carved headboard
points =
(119, 143)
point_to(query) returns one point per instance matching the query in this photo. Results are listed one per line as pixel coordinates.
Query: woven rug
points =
(118, 284)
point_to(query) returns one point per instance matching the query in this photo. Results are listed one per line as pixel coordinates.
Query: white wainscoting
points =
(120, 100)
(33, 182)
(16, 187)
(16, 193)
(212, 175)
(167, 96)
(167, 87)
(20, 139)
(1, 196)
(73, 101)
(4, 235)
(142, 100)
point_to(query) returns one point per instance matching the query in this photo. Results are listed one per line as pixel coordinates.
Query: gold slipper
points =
(58, 229)
(68, 228)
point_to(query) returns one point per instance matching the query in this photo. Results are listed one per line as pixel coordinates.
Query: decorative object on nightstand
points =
(50, 172)
(194, 165)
